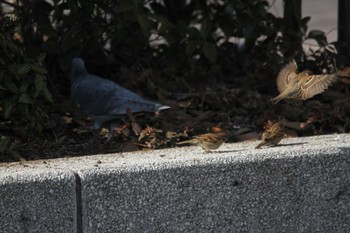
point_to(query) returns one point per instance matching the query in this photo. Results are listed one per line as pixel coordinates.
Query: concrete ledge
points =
(35, 200)
(301, 186)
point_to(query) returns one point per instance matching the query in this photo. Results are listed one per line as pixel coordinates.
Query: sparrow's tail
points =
(260, 145)
(191, 141)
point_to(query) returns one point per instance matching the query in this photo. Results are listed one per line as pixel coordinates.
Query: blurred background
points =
(323, 13)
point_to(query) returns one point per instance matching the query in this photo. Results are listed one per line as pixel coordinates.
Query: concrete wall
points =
(301, 186)
(35, 201)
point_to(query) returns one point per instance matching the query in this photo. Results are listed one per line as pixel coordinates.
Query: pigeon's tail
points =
(147, 106)
(161, 107)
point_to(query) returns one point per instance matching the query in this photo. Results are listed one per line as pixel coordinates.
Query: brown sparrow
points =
(208, 141)
(272, 135)
(301, 86)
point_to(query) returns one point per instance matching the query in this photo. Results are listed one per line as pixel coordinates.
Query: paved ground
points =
(301, 186)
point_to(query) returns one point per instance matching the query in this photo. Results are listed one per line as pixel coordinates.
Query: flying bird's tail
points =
(277, 99)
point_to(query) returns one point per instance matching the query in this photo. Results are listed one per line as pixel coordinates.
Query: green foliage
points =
(22, 86)
(182, 39)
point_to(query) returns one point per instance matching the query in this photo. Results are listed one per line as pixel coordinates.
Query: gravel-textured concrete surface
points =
(35, 200)
(301, 186)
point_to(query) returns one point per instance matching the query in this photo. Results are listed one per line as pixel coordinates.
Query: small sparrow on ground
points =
(208, 141)
(272, 135)
(301, 86)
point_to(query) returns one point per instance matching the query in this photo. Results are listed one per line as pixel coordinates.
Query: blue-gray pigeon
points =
(104, 100)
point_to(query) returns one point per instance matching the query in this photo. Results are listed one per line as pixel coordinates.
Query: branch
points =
(9, 3)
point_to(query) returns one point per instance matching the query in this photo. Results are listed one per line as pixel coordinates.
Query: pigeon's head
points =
(78, 67)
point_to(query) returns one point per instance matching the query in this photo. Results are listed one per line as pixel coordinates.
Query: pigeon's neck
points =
(77, 72)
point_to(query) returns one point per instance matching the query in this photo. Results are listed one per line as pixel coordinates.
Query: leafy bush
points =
(22, 86)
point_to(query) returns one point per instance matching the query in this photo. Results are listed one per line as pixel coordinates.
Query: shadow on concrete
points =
(292, 144)
(226, 151)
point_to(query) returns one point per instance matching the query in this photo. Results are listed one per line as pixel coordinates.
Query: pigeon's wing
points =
(101, 97)
(114, 102)
(83, 94)
(315, 84)
(287, 73)
(121, 102)
(101, 85)
(88, 89)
